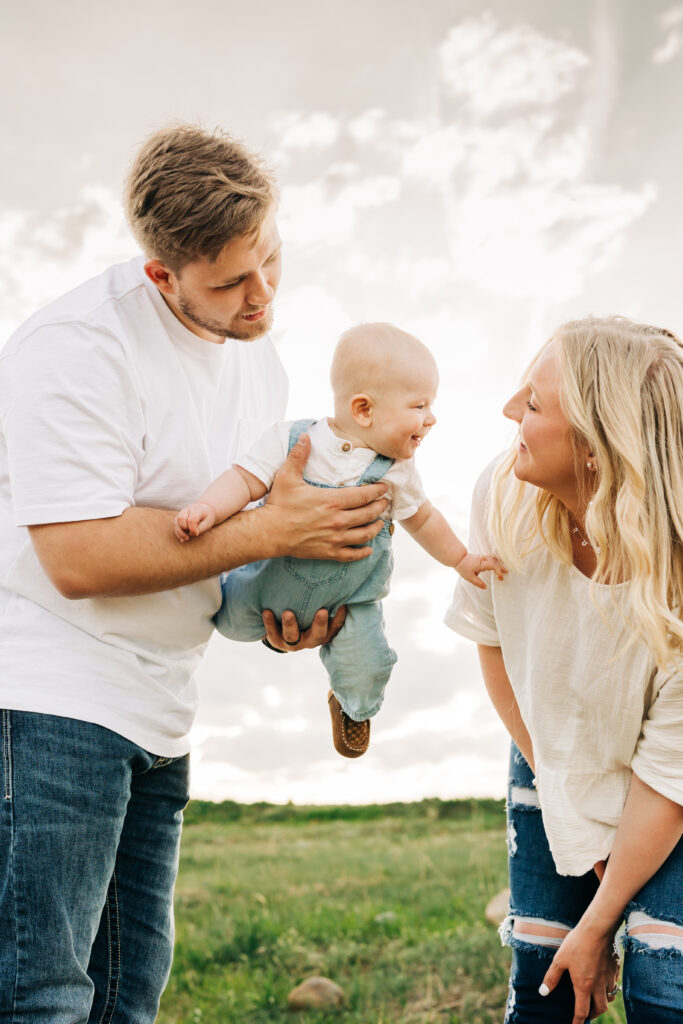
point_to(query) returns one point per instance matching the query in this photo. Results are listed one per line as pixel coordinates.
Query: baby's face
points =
(402, 414)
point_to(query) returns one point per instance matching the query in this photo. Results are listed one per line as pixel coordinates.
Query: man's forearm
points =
(138, 553)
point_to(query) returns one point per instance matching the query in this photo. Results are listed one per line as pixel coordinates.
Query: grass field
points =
(386, 901)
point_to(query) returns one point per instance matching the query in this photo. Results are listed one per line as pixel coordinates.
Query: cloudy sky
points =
(474, 172)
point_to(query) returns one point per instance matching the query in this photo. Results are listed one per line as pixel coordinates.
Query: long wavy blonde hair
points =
(622, 393)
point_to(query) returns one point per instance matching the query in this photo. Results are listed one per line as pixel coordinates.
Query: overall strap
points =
(380, 465)
(298, 427)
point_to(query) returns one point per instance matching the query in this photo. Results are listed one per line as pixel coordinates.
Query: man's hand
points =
(322, 522)
(288, 637)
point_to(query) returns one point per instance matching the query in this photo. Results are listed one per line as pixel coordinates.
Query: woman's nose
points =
(513, 408)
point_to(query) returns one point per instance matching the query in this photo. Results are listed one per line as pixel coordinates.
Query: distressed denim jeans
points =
(541, 899)
(358, 659)
(89, 842)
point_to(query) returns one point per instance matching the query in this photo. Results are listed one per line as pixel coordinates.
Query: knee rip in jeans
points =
(521, 798)
(646, 934)
(532, 934)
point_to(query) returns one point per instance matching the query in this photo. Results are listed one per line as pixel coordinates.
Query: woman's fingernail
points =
(544, 990)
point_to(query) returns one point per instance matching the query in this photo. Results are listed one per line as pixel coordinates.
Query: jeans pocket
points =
(313, 573)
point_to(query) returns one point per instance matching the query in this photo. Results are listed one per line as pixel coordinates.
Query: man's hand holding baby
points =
(336, 523)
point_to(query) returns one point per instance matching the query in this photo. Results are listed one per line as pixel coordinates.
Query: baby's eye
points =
(420, 406)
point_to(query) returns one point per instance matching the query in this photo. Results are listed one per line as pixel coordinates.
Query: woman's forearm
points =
(650, 827)
(503, 698)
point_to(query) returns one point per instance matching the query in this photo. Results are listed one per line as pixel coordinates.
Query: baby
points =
(384, 384)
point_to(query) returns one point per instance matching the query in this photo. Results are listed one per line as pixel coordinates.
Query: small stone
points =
(386, 915)
(498, 907)
(315, 993)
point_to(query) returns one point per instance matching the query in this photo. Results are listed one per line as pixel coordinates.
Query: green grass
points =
(386, 901)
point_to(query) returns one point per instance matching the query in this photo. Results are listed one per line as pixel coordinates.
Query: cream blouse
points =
(595, 713)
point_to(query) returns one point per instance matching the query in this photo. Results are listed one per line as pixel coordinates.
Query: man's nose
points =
(260, 292)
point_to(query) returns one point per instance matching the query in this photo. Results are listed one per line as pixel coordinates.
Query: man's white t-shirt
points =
(107, 401)
(334, 460)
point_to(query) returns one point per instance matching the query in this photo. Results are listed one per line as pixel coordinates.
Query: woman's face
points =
(545, 457)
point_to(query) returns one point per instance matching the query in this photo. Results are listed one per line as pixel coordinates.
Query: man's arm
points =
(137, 552)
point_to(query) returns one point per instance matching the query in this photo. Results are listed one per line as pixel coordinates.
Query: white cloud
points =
(304, 131)
(669, 49)
(494, 69)
(672, 16)
(315, 213)
(41, 259)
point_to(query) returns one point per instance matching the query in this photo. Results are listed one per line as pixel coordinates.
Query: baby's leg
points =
(359, 661)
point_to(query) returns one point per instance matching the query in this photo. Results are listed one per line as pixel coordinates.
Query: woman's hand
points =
(286, 636)
(593, 966)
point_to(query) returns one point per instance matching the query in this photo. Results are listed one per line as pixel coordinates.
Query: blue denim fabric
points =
(359, 659)
(653, 983)
(89, 836)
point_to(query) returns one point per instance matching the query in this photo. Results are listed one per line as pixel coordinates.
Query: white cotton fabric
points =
(595, 713)
(329, 463)
(107, 401)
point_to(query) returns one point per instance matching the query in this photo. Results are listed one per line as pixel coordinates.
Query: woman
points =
(581, 652)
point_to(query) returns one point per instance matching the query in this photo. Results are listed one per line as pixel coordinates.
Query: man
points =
(119, 402)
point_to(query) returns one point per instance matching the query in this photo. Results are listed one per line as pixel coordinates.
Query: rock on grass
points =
(315, 993)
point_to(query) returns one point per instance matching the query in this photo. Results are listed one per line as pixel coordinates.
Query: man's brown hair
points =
(190, 192)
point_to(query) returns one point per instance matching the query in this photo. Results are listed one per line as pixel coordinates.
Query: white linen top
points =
(333, 460)
(107, 401)
(594, 712)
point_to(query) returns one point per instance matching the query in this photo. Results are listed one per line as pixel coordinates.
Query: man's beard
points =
(240, 330)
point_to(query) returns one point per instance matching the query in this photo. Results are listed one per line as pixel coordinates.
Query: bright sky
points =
(475, 173)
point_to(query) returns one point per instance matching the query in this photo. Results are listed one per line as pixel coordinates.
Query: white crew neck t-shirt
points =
(336, 462)
(107, 401)
(594, 711)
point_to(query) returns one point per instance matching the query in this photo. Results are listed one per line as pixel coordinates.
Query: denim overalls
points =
(359, 659)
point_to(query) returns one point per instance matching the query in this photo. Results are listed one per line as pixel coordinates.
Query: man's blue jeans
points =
(89, 841)
(653, 969)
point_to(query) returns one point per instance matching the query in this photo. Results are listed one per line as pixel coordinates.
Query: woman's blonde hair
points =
(622, 393)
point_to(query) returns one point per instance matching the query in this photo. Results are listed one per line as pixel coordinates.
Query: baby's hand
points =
(192, 521)
(470, 565)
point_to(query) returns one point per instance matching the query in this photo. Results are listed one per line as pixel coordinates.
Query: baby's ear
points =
(361, 410)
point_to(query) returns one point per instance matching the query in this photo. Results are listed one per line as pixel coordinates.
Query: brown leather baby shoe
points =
(350, 738)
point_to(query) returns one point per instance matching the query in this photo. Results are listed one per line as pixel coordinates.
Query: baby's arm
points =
(432, 532)
(229, 493)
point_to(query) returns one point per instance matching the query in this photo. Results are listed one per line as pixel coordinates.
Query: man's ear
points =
(160, 275)
(361, 410)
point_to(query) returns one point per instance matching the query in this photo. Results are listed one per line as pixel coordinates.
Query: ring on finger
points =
(613, 992)
(292, 643)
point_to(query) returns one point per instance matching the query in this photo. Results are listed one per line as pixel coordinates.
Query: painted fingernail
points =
(544, 990)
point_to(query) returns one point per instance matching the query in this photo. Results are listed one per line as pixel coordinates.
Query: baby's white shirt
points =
(333, 462)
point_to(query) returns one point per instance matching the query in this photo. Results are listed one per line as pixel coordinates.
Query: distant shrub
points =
(484, 813)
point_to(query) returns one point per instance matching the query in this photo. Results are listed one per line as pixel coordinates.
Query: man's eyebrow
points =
(240, 277)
